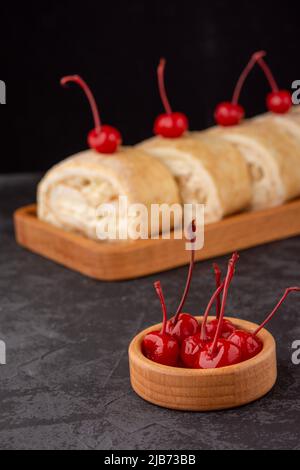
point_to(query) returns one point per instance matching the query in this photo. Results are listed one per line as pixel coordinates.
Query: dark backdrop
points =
(116, 46)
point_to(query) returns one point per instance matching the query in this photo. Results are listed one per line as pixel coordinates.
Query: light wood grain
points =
(204, 390)
(132, 259)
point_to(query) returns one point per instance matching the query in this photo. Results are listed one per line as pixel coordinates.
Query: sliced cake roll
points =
(208, 171)
(72, 192)
(272, 152)
(288, 123)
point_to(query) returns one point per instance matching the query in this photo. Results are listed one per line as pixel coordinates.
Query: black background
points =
(116, 46)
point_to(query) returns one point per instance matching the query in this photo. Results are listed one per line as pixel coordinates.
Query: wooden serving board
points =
(132, 259)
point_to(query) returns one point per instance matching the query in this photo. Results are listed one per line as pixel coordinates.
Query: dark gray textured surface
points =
(66, 383)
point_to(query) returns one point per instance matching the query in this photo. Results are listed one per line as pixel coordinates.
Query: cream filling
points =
(73, 203)
(267, 186)
(196, 185)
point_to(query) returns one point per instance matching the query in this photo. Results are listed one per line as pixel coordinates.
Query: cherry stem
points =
(228, 279)
(257, 56)
(192, 240)
(268, 73)
(269, 317)
(218, 283)
(79, 81)
(215, 296)
(162, 87)
(160, 294)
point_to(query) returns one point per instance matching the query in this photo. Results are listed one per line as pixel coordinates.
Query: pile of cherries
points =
(183, 342)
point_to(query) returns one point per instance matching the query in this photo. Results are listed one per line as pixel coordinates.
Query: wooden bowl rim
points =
(136, 355)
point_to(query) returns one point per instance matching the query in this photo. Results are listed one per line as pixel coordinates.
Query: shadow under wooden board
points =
(132, 259)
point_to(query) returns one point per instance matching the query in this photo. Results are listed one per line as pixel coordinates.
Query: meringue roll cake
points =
(208, 171)
(72, 191)
(272, 152)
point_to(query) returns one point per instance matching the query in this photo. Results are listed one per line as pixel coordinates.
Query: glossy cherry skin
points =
(227, 328)
(186, 326)
(190, 350)
(161, 348)
(279, 102)
(105, 141)
(225, 355)
(171, 125)
(229, 114)
(249, 344)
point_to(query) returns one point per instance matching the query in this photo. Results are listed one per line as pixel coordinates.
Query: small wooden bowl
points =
(204, 390)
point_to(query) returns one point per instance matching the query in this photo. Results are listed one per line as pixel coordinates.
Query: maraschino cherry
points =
(192, 346)
(249, 343)
(103, 139)
(183, 325)
(229, 114)
(170, 125)
(224, 355)
(221, 352)
(232, 113)
(227, 328)
(227, 325)
(278, 101)
(159, 346)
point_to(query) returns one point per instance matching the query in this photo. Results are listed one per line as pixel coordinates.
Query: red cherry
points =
(186, 326)
(248, 344)
(158, 346)
(229, 114)
(219, 327)
(209, 328)
(169, 125)
(161, 348)
(192, 346)
(103, 139)
(227, 328)
(107, 140)
(227, 282)
(196, 353)
(225, 354)
(220, 352)
(279, 102)
(190, 350)
(204, 332)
